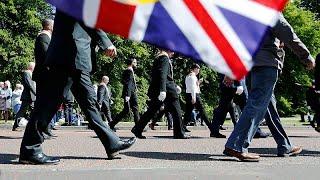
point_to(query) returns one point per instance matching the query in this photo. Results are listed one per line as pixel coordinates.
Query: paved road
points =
(160, 157)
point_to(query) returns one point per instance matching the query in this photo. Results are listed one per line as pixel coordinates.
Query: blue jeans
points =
(261, 103)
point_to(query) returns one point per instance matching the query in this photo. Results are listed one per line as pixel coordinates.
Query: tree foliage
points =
(21, 21)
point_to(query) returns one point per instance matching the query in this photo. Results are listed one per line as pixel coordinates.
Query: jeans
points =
(261, 96)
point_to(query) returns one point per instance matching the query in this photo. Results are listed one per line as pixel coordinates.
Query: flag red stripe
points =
(274, 4)
(115, 17)
(217, 37)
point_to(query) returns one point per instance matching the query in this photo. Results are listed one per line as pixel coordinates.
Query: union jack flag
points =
(224, 34)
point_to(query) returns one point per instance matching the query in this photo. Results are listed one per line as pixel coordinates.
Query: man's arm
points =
(44, 42)
(285, 33)
(163, 67)
(27, 79)
(100, 94)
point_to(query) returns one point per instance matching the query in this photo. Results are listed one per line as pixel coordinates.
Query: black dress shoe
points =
(186, 130)
(217, 135)
(137, 134)
(122, 145)
(185, 136)
(38, 159)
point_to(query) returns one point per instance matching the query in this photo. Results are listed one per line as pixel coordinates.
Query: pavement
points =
(160, 157)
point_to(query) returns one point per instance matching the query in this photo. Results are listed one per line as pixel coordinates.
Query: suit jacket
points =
(103, 95)
(162, 78)
(29, 91)
(73, 44)
(40, 51)
(129, 84)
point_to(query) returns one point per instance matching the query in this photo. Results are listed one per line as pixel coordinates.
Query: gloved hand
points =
(127, 98)
(193, 101)
(239, 90)
(178, 89)
(162, 96)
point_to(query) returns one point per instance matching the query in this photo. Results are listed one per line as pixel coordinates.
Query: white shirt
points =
(192, 84)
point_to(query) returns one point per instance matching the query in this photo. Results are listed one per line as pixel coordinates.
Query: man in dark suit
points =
(129, 94)
(40, 51)
(71, 54)
(162, 89)
(104, 98)
(28, 95)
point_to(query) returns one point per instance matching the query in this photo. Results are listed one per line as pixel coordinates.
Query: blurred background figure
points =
(5, 100)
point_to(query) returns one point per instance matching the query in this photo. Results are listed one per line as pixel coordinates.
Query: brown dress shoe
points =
(294, 152)
(246, 157)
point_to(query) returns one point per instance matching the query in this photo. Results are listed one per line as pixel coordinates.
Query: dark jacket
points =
(317, 73)
(29, 91)
(162, 78)
(40, 51)
(103, 96)
(73, 44)
(129, 86)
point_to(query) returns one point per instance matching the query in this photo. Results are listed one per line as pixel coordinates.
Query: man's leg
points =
(263, 80)
(124, 113)
(173, 106)
(154, 106)
(81, 86)
(220, 113)
(135, 108)
(202, 112)
(273, 121)
(46, 106)
(188, 110)
(21, 113)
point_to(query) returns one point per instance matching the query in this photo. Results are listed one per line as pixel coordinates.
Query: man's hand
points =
(227, 81)
(162, 96)
(111, 51)
(127, 98)
(178, 89)
(193, 100)
(239, 90)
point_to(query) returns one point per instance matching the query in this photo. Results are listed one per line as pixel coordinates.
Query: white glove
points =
(178, 89)
(194, 100)
(162, 96)
(239, 90)
(127, 98)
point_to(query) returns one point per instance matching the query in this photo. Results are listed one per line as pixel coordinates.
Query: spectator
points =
(5, 102)
(16, 98)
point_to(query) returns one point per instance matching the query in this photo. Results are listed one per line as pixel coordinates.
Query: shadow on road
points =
(9, 158)
(13, 158)
(9, 137)
(179, 156)
(304, 136)
(272, 152)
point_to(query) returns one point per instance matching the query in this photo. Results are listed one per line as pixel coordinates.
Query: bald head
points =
(47, 24)
(105, 79)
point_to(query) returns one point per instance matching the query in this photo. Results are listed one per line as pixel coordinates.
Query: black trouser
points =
(198, 105)
(316, 117)
(51, 97)
(317, 73)
(25, 106)
(68, 110)
(131, 104)
(105, 109)
(160, 114)
(172, 104)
